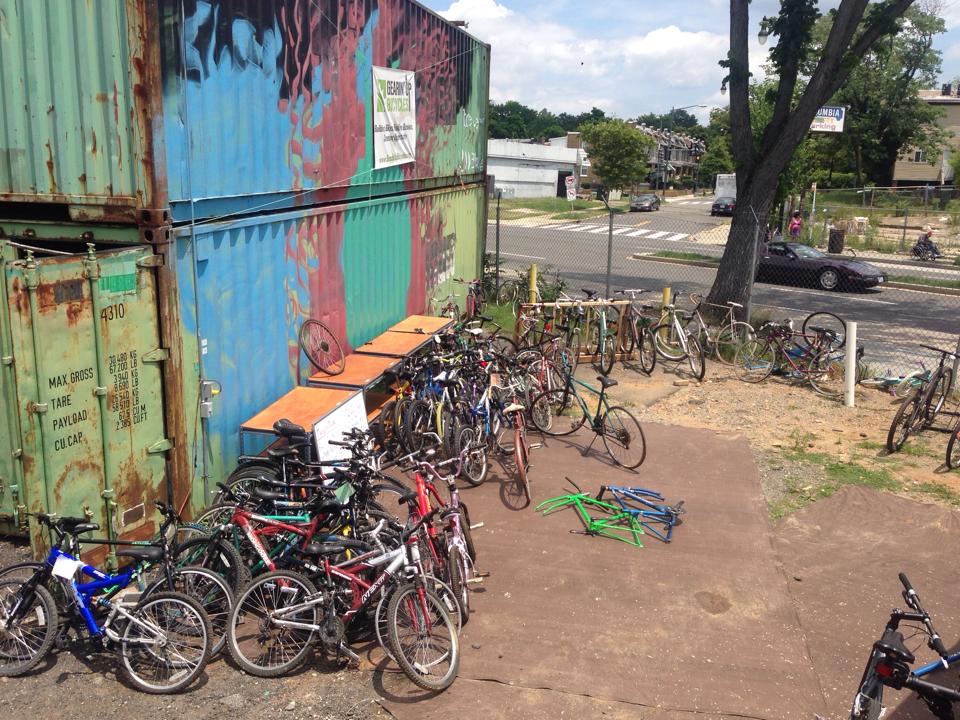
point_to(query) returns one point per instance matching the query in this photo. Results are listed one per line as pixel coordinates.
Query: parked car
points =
(723, 206)
(647, 202)
(787, 262)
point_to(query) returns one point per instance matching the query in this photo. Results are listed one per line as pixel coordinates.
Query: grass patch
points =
(871, 445)
(956, 260)
(502, 315)
(939, 492)
(581, 215)
(931, 282)
(512, 214)
(685, 256)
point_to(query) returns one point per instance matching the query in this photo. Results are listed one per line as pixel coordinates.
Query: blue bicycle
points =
(164, 639)
(648, 507)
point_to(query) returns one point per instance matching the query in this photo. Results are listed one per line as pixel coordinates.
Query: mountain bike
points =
(637, 332)
(563, 411)
(890, 660)
(163, 639)
(920, 410)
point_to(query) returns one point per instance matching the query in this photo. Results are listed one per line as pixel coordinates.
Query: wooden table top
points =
(394, 344)
(424, 324)
(359, 371)
(302, 405)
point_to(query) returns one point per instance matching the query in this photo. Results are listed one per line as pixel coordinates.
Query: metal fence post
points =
(496, 282)
(609, 252)
(956, 366)
(850, 364)
(903, 237)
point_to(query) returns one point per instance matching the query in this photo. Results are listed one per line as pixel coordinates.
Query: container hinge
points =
(36, 407)
(155, 356)
(107, 494)
(160, 446)
(6, 360)
(150, 261)
(99, 391)
(18, 453)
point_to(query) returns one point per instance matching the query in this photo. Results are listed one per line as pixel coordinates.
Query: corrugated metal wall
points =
(246, 286)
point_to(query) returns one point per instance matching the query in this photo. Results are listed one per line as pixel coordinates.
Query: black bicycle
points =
(920, 409)
(890, 661)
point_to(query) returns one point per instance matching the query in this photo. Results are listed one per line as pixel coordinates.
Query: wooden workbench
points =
(422, 324)
(360, 371)
(395, 344)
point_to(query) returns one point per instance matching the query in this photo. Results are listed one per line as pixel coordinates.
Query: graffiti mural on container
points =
(290, 83)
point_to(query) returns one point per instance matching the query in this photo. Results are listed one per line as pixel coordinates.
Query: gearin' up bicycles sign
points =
(394, 117)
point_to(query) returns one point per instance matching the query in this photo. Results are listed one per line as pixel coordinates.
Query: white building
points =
(527, 169)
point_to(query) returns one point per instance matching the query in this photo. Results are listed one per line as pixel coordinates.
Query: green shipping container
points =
(82, 391)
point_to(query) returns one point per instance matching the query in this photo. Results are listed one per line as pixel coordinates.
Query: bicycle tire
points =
(214, 554)
(574, 345)
(623, 438)
(418, 420)
(667, 343)
(647, 352)
(245, 637)
(904, 423)
(729, 339)
(413, 601)
(322, 348)
(467, 532)
(185, 627)
(828, 320)
(207, 588)
(909, 384)
(41, 621)
(953, 450)
(521, 458)
(458, 583)
(630, 333)
(608, 355)
(828, 374)
(475, 466)
(559, 401)
(755, 360)
(696, 358)
(938, 396)
(244, 478)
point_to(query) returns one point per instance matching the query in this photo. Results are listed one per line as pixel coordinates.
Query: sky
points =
(627, 58)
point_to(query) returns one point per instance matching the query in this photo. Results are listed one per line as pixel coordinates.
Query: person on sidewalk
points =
(796, 225)
(925, 243)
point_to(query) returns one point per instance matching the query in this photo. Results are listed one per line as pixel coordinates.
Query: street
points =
(892, 320)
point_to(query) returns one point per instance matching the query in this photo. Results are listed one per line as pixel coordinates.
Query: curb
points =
(897, 285)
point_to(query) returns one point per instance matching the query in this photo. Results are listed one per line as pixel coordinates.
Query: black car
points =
(787, 262)
(723, 206)
(648, 202)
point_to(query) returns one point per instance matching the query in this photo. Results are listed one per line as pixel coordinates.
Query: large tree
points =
(618, 153)
(855, 26)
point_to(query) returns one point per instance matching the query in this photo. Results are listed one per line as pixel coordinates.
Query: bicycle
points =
(637, 332)
(728, 336)
(163, 639)
(614, 522)
(476, 301)
(920, 409)
(621, 432)
(890, 660)
(675, 343)
(649, 508)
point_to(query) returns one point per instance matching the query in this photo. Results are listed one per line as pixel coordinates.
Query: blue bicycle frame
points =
(649, 512)
(938, 665)
(83, 593)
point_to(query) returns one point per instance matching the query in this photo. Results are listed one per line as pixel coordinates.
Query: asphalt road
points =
(892, 321)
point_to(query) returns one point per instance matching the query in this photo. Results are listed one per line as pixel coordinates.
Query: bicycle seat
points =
(513, 407)
(77, 525)
(329, 507)
(606, 382)
(731, 303)
(589, 293)
(265, 494)
(282, 452)
(892, 644)
(145, 553)
(288, 429)
(334, 547)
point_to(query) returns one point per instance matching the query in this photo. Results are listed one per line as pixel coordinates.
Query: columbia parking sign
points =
(829, 118)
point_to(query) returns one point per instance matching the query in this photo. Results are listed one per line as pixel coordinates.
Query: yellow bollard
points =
(533, 284)
(667, 293)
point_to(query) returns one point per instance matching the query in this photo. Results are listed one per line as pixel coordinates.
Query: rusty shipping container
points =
(82, 388)
(247, 285)
(128, 109)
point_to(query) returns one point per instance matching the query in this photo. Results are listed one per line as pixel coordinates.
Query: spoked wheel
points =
(475, 466)
(696, 358)
(608, 354)
(755, 360)
(424, 637)
(904, 423)
(214, 554)
(828, 374)
(646, 351)
(167, 645)
(938, 397)
(258, 644)
(729, 339)
(557, 413)
(322, 347)
(457, 570)
(623, 437)
(207, 588)
(26, 639)
(953, 450)
(667, 341)
(521, 456)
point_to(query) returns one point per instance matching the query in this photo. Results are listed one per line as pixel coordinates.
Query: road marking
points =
(527, 257)
(620, 231)
(658, 235)
(598, 230)
(582, 228)
(636, 233)
(820, 293)
(677, 236)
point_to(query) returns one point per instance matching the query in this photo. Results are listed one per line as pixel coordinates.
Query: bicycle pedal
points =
(348, 653)
(475, 581)
(476, 526)
(535, 446)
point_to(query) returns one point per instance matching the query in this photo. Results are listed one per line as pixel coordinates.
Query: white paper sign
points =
(65, 567)
(352, 414)
(394, 117)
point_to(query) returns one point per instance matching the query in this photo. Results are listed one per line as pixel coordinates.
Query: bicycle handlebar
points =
(942, 352)
(913, 600)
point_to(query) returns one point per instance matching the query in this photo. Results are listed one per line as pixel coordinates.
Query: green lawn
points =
(932, 282)
(685, 256)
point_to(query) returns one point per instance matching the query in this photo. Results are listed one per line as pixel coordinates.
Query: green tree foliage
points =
(515, 120)
(618, 153)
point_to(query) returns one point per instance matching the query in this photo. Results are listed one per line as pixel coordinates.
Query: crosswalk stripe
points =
(658, 235)
(620, 231)
(637, 233)
(567, 226)
(677, 236)
(583, 228)
(598, 230)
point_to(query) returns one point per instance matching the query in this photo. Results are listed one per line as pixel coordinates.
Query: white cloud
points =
(564, 67)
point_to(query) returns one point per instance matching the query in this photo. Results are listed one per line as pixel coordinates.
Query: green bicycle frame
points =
(615, 523)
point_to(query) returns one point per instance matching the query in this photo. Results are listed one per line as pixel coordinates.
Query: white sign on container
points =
(394, 117)
(352, 414)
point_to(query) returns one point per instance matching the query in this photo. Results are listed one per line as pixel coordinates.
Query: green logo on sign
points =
(381, 94)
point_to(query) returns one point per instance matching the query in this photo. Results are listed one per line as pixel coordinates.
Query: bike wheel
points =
(667, 341)
(647, 351)
(256, 642)
(321, 347)
(457, 571)
(424, 637)
(755, 361)
(904, 423)
(827, 321)
(475, 465)
(242, 481)
(938, 396)
(167, 643)
(696, 358)
(953, 450)
(828, 374)
(623, 437)
(573, 342)
(418, 420)
(729, 339)
(207, 588)
(521, 457)
(467, 533)
(28, 639)
(608, 354)
(214, 554)
(507, 293)
(561, 414)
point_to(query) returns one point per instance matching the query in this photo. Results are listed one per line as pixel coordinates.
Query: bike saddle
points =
(288, 429)
(77, 525)
(891, 644)
(606, 382)
(334, 547)
(513, 407)
(264, 494)
(407, 497)
(282, 452)
(329, 507)
(145, 553)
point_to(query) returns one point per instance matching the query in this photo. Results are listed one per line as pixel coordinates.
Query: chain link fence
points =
(898, 301)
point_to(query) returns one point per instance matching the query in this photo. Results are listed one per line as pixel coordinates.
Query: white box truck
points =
(726, 185)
